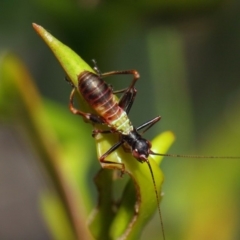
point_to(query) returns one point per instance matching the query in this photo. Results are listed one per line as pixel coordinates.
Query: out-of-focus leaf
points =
(21, 104)
(56, 217)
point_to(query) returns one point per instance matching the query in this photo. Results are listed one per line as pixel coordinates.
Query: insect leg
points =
(67, 79)
(128, 97)
(148, 124)
(111, 164)
(95, 132)
(87, 116)
(120, 91)
(135, 74)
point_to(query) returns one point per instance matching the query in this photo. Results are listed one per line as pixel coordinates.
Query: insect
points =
(113, 113)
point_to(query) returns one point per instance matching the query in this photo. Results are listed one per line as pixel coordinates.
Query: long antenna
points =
(191, 156)
(180, 156)
(157, 198)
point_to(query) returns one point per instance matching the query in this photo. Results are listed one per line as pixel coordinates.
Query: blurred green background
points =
(188, 56)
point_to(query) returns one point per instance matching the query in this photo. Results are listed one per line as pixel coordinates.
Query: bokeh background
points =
(188, 56)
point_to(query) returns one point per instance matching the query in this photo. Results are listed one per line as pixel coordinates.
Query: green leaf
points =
(135, 209)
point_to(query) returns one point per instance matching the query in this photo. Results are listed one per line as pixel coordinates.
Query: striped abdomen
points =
(99, 96)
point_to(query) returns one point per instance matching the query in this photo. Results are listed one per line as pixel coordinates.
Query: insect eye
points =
(135, 153)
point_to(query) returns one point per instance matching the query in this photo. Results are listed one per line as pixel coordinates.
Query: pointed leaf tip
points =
(72, 64)
(36, 27)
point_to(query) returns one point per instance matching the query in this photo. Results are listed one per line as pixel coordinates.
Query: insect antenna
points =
(157, 198)
(191, 156)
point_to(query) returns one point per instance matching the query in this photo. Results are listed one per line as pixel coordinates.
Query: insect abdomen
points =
(99, 96)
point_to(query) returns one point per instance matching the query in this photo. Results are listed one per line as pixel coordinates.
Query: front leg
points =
(148, 124)
(110, 164)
